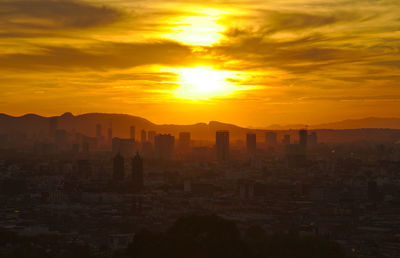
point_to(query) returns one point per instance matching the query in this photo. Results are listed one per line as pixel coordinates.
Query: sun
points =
(203, 82)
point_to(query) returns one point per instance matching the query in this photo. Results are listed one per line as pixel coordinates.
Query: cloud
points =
(292, 21)
(298, 55)
(44, 15)
(389, 63)
(105, 55)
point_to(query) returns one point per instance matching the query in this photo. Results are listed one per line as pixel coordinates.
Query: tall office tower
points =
(118, 167)
(312, 139)
(286, 139)
(137, 173)
(110, 134)
(151, 135)
(98, 131)
(143, 136)
(124, 147)
(184, 141)
(222, 146)
(271, 139)
(303, 135)
(251, 143)
(53, 125)
(132, 132)
(164, 146)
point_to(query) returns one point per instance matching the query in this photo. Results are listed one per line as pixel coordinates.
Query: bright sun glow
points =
(203, 82)
(201, 29)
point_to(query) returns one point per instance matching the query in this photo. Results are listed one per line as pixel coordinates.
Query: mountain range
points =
(120, 123)
(369, 122)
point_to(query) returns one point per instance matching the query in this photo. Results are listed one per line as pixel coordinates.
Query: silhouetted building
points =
(137, 173)
(110, 134)
(151, 135)
(303, 135)
(295, 155)
(251, 143)
(124, 147)
(118, 167)
(222, 146)
(88, 144)
(312, 139)
(132, 132)
(271, 139)
(286, 139)
(99, 131)
(143, 136)
(164, 146)
(53, 125)
(147, 150)
(184, 141)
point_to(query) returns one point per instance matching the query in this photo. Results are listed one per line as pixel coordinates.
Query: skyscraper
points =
(132, 132)
(251, 142)
(222, 146)
(98, 131)
(312, 139)
(124, 147)
(286, 139)
(137, 173)
(164, 146)
(303, 135)
(118, 167)
(184, 141)
(271, 139)
(143, 136)
(110, 134)
(151, 136)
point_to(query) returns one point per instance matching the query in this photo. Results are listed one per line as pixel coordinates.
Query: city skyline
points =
(187, 128)
(245, 62)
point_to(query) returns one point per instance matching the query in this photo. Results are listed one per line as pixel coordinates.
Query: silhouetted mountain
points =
(286, 127)
(370, 122)
(120, 123)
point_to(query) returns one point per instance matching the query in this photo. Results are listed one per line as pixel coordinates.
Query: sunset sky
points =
(252, 63)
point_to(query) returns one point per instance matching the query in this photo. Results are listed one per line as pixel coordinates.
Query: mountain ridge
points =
(360, 123)
(32, 124)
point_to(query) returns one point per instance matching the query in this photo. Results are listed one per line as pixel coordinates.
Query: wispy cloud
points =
(42, 15)
(101, 56)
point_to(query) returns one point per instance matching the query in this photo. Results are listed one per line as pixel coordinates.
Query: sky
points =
(251, 63)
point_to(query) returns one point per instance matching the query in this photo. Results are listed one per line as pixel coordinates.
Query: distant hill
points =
(370, 122)
(120, 123)
(344, 131)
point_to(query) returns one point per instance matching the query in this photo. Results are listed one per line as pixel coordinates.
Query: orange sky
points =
(252, 63)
